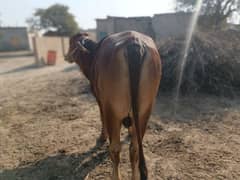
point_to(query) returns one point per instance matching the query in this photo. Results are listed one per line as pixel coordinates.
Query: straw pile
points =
(212, 66)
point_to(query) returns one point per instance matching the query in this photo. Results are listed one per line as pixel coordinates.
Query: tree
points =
(216, 11)
(0, 21)
(33, 24)
(55, 18)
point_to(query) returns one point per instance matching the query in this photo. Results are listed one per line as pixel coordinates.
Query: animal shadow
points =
(59, 167)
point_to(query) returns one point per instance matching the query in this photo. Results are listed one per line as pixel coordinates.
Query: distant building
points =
(171, 25)
(13, 39)
(118, 24)
(159, 27)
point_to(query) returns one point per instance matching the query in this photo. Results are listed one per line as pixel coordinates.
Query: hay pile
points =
(212, 66)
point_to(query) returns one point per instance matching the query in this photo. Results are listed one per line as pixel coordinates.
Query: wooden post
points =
(35, 51)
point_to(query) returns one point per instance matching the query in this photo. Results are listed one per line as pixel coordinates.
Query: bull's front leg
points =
(104, 135)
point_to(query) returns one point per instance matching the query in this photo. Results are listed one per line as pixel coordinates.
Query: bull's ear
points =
(90, 45)
(81, 45)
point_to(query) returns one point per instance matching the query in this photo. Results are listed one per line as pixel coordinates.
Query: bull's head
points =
(77, 47)
(82, 51)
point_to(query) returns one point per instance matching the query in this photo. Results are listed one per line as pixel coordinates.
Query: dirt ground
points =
(49, 123)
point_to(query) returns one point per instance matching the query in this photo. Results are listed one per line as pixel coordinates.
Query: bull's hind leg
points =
(134, 154)
(139, 169)
(113, 128)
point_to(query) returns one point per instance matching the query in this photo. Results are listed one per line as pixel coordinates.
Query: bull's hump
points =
(121, 38)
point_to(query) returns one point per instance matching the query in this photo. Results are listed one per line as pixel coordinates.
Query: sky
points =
(15, 12)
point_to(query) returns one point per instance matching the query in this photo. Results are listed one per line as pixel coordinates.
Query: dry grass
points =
(49, 122)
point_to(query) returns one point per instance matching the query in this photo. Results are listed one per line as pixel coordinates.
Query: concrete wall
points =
(104, 27)
(44, 44)
(170, 25)
(117, 24)
(13, 39)
(140, 24)
(159, 27)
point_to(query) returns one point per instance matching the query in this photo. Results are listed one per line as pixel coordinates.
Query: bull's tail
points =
(136, 54)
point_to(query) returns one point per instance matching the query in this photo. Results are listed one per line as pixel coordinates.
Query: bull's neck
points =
(86, 65)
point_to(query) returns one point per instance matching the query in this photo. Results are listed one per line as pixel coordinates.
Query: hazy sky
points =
(15, 12)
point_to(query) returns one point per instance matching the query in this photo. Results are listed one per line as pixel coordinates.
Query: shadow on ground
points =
(20, 69)
(71, 68)
(59, 167)
(190, 107)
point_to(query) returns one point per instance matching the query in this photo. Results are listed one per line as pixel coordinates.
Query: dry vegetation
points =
(49, 122)
(212, 65)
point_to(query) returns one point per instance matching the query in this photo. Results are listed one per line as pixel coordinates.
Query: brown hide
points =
(124, 70)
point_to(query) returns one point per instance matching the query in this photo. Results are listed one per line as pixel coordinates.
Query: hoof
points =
(101, 141)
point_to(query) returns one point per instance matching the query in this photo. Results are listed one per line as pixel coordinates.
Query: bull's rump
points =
(112, 74)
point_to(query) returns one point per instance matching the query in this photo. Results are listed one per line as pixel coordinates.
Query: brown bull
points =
(124, 70)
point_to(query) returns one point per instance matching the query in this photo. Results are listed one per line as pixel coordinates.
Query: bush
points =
(212, 66)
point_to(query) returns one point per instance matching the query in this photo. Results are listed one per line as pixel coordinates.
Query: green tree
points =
(56, 19)
(215, 11)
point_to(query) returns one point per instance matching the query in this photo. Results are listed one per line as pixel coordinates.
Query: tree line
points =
(56, 20)
(214, 13)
